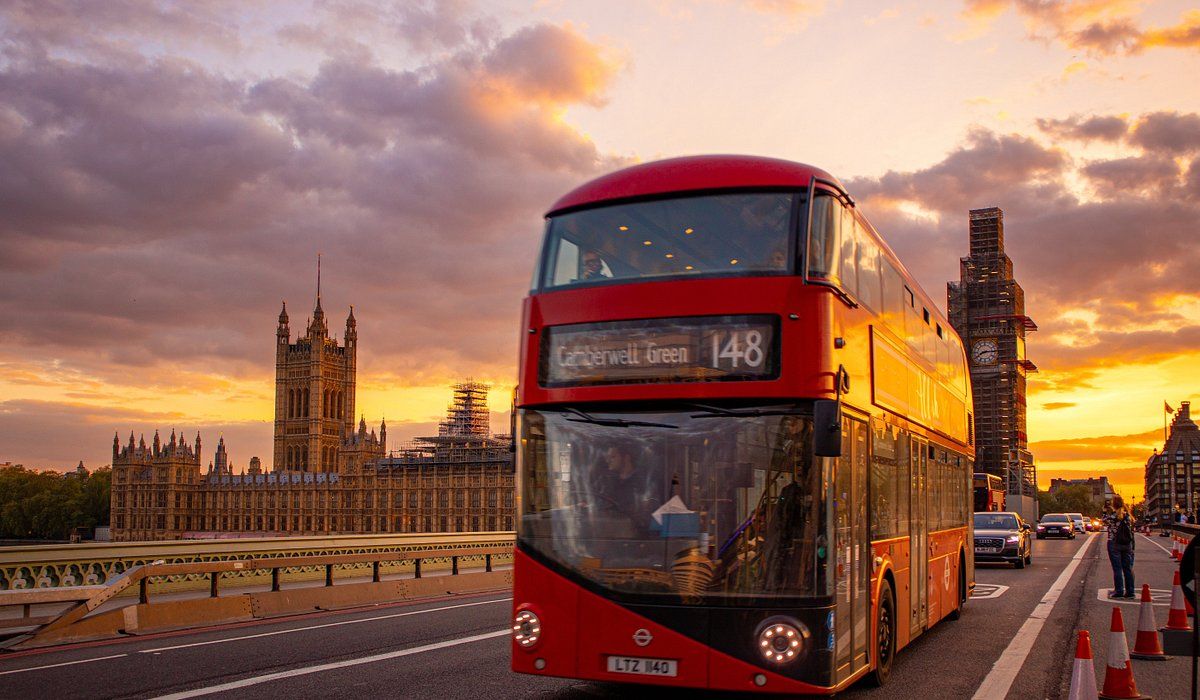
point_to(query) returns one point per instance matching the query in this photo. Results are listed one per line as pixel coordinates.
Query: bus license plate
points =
(643, 667)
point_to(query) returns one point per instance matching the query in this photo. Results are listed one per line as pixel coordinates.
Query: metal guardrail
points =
(50, 566)
(83, 600)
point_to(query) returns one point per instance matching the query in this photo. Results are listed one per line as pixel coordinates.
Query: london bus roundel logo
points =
(642, 637)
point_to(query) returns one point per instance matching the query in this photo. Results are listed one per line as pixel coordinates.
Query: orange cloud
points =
(1185, 35)
(1132, 447)
(1102, 27)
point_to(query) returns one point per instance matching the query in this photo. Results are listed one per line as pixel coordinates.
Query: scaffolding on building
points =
(464, 436)
(987, 303)
(467, 414)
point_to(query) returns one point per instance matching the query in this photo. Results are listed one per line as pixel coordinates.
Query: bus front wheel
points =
(885, 635)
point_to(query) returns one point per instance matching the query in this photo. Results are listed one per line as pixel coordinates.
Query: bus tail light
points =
(527, 629)
(782, 640)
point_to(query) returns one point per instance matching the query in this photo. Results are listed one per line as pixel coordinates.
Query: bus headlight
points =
(782, 640)
(527, 629)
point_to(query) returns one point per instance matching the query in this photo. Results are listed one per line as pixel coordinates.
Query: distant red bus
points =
(742, 437)
(989, 493)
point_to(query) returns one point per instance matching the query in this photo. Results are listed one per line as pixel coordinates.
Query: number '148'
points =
(740, 347)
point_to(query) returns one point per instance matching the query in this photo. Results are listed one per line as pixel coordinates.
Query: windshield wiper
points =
(614, 422)
(717, 412)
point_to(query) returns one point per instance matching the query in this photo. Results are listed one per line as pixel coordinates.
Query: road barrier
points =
(77, 623)
(52, 566)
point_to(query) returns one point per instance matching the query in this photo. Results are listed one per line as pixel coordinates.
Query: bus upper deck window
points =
(735, 233)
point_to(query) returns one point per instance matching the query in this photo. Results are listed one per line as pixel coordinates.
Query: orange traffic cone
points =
(1146, 646)
(1175, 553)
(1177, 619)
(1083, 673)
(1118, 673)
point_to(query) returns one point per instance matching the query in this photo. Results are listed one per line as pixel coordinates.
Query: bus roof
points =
(692, 173)
(717, 172)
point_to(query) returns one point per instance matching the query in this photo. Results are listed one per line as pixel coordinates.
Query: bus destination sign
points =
(692, 349)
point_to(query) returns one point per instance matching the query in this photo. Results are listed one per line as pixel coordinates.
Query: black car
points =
(1002, 537)
(1056, 525)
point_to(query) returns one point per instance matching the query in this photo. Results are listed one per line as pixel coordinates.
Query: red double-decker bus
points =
(743, 437)
(989, 493)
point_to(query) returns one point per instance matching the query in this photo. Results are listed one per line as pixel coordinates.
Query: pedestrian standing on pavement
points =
(1120, 550)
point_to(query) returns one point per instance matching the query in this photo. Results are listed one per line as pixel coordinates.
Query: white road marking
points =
(1164, 549)
(255, 680)
(1004, 672)
(1157, 597)
(986, 591)
(317, 627)
(65, 663)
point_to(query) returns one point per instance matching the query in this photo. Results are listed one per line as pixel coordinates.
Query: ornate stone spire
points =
(318, 319)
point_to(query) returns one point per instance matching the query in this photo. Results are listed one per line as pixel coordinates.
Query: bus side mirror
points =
(827, 428)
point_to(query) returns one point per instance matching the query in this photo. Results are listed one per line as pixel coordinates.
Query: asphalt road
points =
(459, 648)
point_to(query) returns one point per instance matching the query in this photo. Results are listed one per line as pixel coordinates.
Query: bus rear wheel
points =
(885, 635)
(962, 590)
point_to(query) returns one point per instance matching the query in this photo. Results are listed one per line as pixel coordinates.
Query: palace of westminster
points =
(329, 476)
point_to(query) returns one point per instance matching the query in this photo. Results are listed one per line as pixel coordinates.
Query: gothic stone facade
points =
(327, 477)
(1172, 477)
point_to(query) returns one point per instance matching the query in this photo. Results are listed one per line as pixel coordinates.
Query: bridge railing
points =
(74, 623)
(50, 566)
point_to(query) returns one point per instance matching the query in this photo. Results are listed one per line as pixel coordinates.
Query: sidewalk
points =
(1162, 680)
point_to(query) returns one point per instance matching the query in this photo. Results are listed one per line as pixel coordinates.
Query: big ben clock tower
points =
(987, 308)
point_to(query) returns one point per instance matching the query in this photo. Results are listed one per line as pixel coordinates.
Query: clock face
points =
(984, 352)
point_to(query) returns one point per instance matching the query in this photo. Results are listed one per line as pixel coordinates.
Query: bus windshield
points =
(734, 233)
(695, 505)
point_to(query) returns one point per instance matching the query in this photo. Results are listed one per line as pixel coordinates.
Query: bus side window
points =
(885, 503)
(893, 298)
(868, 266)
(824, 240)
(848, 257)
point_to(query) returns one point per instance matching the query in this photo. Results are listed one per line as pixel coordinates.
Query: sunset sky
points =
(169, 172)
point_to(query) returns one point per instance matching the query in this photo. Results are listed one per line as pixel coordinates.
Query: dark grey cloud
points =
(156, 210)
(1118, 255)
(1118, 36)
(1095, 128)
(1169, 133)
(1121, 176)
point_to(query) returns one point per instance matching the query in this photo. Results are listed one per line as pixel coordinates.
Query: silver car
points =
(1002, 537)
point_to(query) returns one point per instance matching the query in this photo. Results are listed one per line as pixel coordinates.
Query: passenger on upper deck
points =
(594, 267)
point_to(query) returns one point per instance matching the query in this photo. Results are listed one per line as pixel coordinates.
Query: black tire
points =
(1019, 563)
(1041, 537)
(885, 636)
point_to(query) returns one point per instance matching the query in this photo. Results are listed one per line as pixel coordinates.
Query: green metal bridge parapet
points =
(91, 564)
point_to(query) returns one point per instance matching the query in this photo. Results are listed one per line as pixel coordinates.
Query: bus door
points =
(852, 564)
(918, 542)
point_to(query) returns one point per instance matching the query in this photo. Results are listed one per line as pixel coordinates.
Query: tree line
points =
(49, 505)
